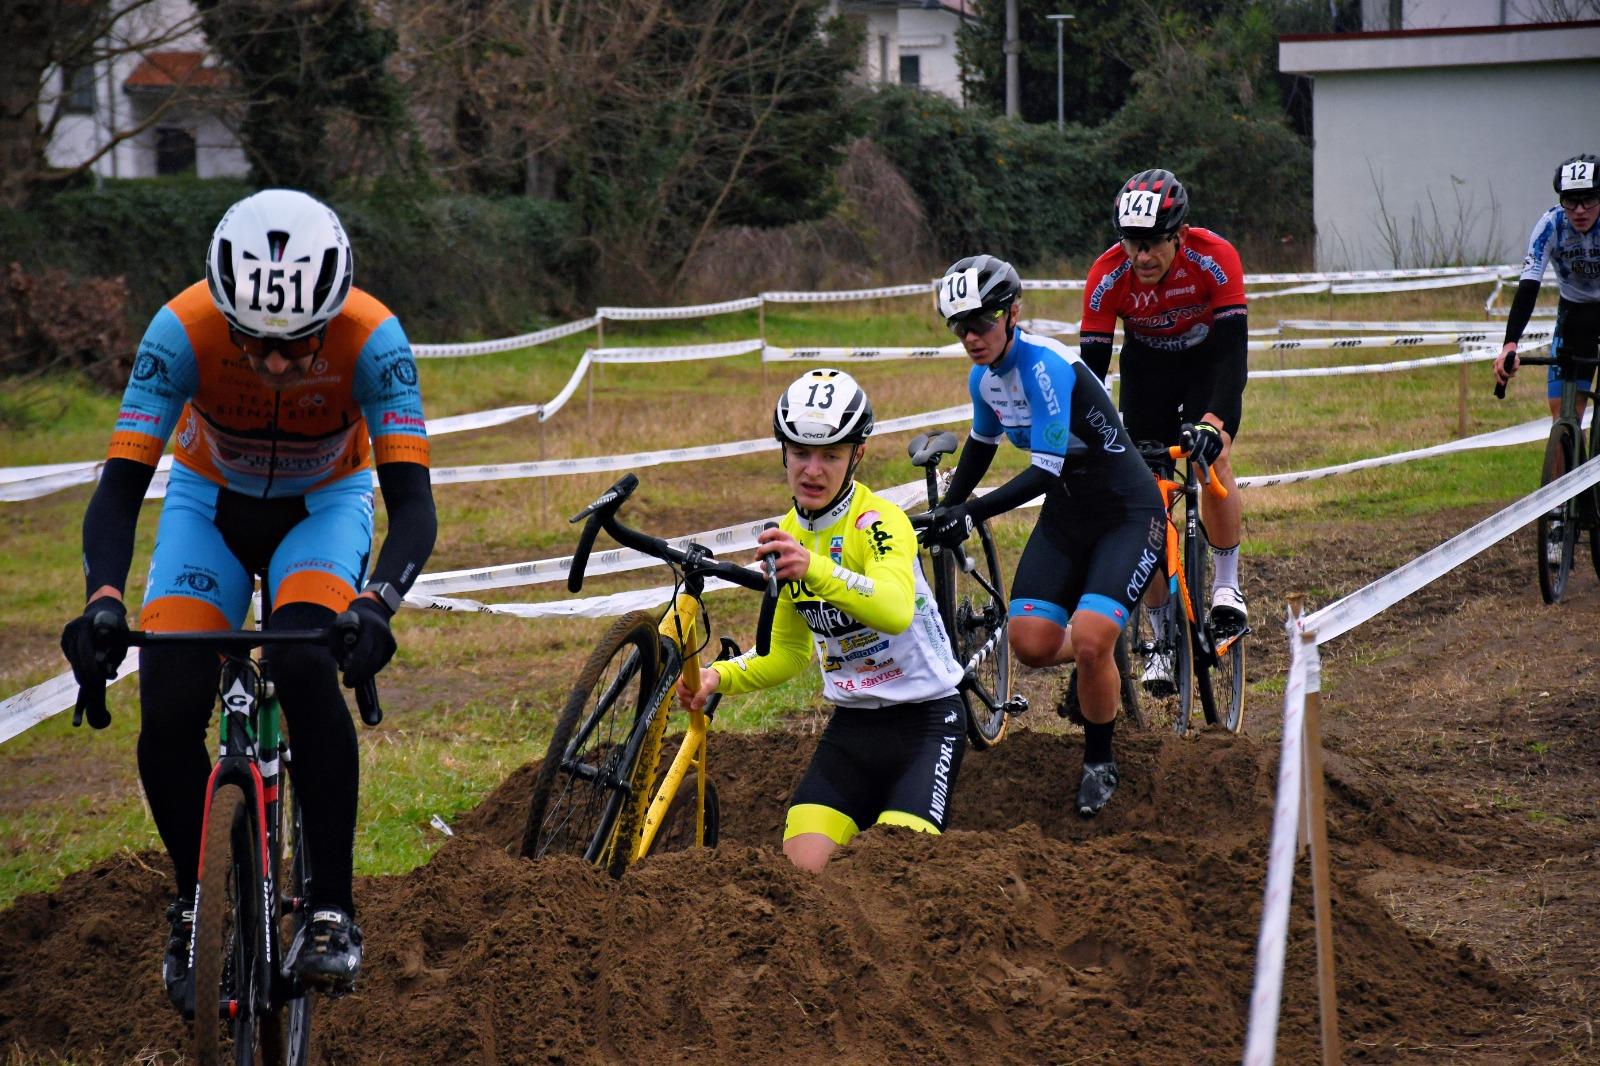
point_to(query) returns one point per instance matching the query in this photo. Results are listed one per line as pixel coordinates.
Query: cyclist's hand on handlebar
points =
(710, 680)
(949, 526)
(790, 560)
(95, 643)
(1505, 364)
(373, 645)
(1205, 445)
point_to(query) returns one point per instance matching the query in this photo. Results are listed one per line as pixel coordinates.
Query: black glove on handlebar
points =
(1206, 444)
(374, 644)
(949, 527)
(95, 643)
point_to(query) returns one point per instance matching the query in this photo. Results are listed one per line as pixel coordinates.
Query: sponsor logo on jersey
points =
(873, 649)
(866, 518)
(396, 418)
(1208, 264)
(941, 778)
(832, 663)
(860, 640)
(826, 619)
(1047, 388)
(869, 665)
(1107, 430)
(882, 539)
(836, 549)
(879, 679)
(186, 433)
(1107, 283)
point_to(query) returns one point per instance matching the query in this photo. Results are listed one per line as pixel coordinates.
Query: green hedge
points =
(1037, 195)
(452, 267)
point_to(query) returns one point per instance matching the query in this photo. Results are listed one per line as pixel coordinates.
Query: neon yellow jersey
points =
(864, 606)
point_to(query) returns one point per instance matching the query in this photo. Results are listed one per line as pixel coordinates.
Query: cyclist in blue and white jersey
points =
(1566, 236)
(1100, 532)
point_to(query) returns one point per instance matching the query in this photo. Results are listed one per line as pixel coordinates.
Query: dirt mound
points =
(1024, 935)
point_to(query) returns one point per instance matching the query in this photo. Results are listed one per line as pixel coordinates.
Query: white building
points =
(910, 42)
(157, 95)
(1436, 137)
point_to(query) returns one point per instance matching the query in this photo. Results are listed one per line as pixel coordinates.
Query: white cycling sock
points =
(1226, 561)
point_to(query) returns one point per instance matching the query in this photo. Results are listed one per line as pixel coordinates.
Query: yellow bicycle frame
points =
(681, 625)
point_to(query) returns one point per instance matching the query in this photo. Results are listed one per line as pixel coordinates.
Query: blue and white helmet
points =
(279, 265)
(823, 407)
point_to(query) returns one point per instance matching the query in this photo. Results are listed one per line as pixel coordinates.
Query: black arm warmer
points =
(1521, 309)
(1095, 351)
(1231, 336)
(976, 455)
(408, 498)
(110, 522)
(1013, 494)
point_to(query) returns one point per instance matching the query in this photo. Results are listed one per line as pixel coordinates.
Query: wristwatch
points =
(386, 592)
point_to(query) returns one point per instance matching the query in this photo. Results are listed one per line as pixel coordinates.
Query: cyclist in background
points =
(1565, 235)
(854, 591)
(1179, 291)
(273, 372)
(1097, 539)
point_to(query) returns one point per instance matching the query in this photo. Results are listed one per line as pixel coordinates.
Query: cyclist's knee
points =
(1094, 635)
(1036, 632)
(809, 851)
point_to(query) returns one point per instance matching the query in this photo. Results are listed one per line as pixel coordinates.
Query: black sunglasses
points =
(977, 322)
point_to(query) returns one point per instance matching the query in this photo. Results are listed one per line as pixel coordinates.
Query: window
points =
(77, 83)
(174, 151)
(911, 70)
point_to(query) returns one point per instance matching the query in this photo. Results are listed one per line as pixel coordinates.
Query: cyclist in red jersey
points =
(1179, 291)
(283, 384)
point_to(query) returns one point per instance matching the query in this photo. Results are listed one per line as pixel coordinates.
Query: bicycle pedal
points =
(1017, 704)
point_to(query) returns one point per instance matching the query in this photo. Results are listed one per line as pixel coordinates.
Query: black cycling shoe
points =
(1094, 791)
(326, 952)
(1069, 707)
(175, 964)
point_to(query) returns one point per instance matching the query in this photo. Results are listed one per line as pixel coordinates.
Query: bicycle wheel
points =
(287, 1039)
(677, 832)
(227, 932)
(1591, 497)
(972, 605)
(1163, 664)
(1227, 681)
(577, 791)
(612, 848)
(1123, 655)
(1556, 529)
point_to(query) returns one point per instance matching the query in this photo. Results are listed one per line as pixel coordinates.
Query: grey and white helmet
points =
(977, 285)
(279, 265)
(823, 407)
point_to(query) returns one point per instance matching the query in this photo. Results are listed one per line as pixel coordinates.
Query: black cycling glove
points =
(950, 526)
(374, 644)
(1206, 444)
(95, 643)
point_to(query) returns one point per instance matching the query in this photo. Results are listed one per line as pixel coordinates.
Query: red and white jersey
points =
(1205, 282)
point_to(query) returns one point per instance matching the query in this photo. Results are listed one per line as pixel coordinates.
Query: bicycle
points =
(596, 793)
(970, 596)
(1556, 531)
(259, 1008)
(1202, 653)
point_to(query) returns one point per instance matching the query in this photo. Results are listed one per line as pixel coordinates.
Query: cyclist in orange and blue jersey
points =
(273, 373)
(1179, 291)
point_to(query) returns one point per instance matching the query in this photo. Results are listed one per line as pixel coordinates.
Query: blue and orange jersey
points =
(1205, 282)
(240, 433)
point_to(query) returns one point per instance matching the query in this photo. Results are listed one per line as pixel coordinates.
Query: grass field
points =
(469, 698)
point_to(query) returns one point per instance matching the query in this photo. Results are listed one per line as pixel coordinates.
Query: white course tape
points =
(846, 295)
(1345, 614)
(9, 474)
(677, 353)
(1380, 275)
(617, 603)
(1494, 328)
(652, 314)
(1292, 290)
(504, 344)
(568, 389)
(613, 560)
(1409, 340)
(1477, 355)
(1261, 1036)
(771, 354)
(1447, 282)
(31, 706)
(1527, 432)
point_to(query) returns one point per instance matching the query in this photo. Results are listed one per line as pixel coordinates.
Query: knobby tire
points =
(677, 831)
(227, 931)
(287, 1039)
(973, 618)
(1559, 458)
(574, 798)
(614, 847)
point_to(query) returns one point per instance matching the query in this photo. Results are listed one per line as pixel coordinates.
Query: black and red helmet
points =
(1152, 203)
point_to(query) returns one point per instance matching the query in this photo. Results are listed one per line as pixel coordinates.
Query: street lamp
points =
(1061, 69)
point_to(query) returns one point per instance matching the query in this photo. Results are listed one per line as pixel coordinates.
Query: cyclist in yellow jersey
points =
(853, 593)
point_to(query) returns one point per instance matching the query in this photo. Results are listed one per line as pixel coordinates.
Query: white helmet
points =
(823, 407)
(279, 265)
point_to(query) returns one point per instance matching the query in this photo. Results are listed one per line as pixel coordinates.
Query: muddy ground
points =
(1462, 744)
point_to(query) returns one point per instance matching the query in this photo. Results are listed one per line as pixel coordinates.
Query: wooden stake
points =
(761, 331)
(1461, 403)
(1321, 888)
